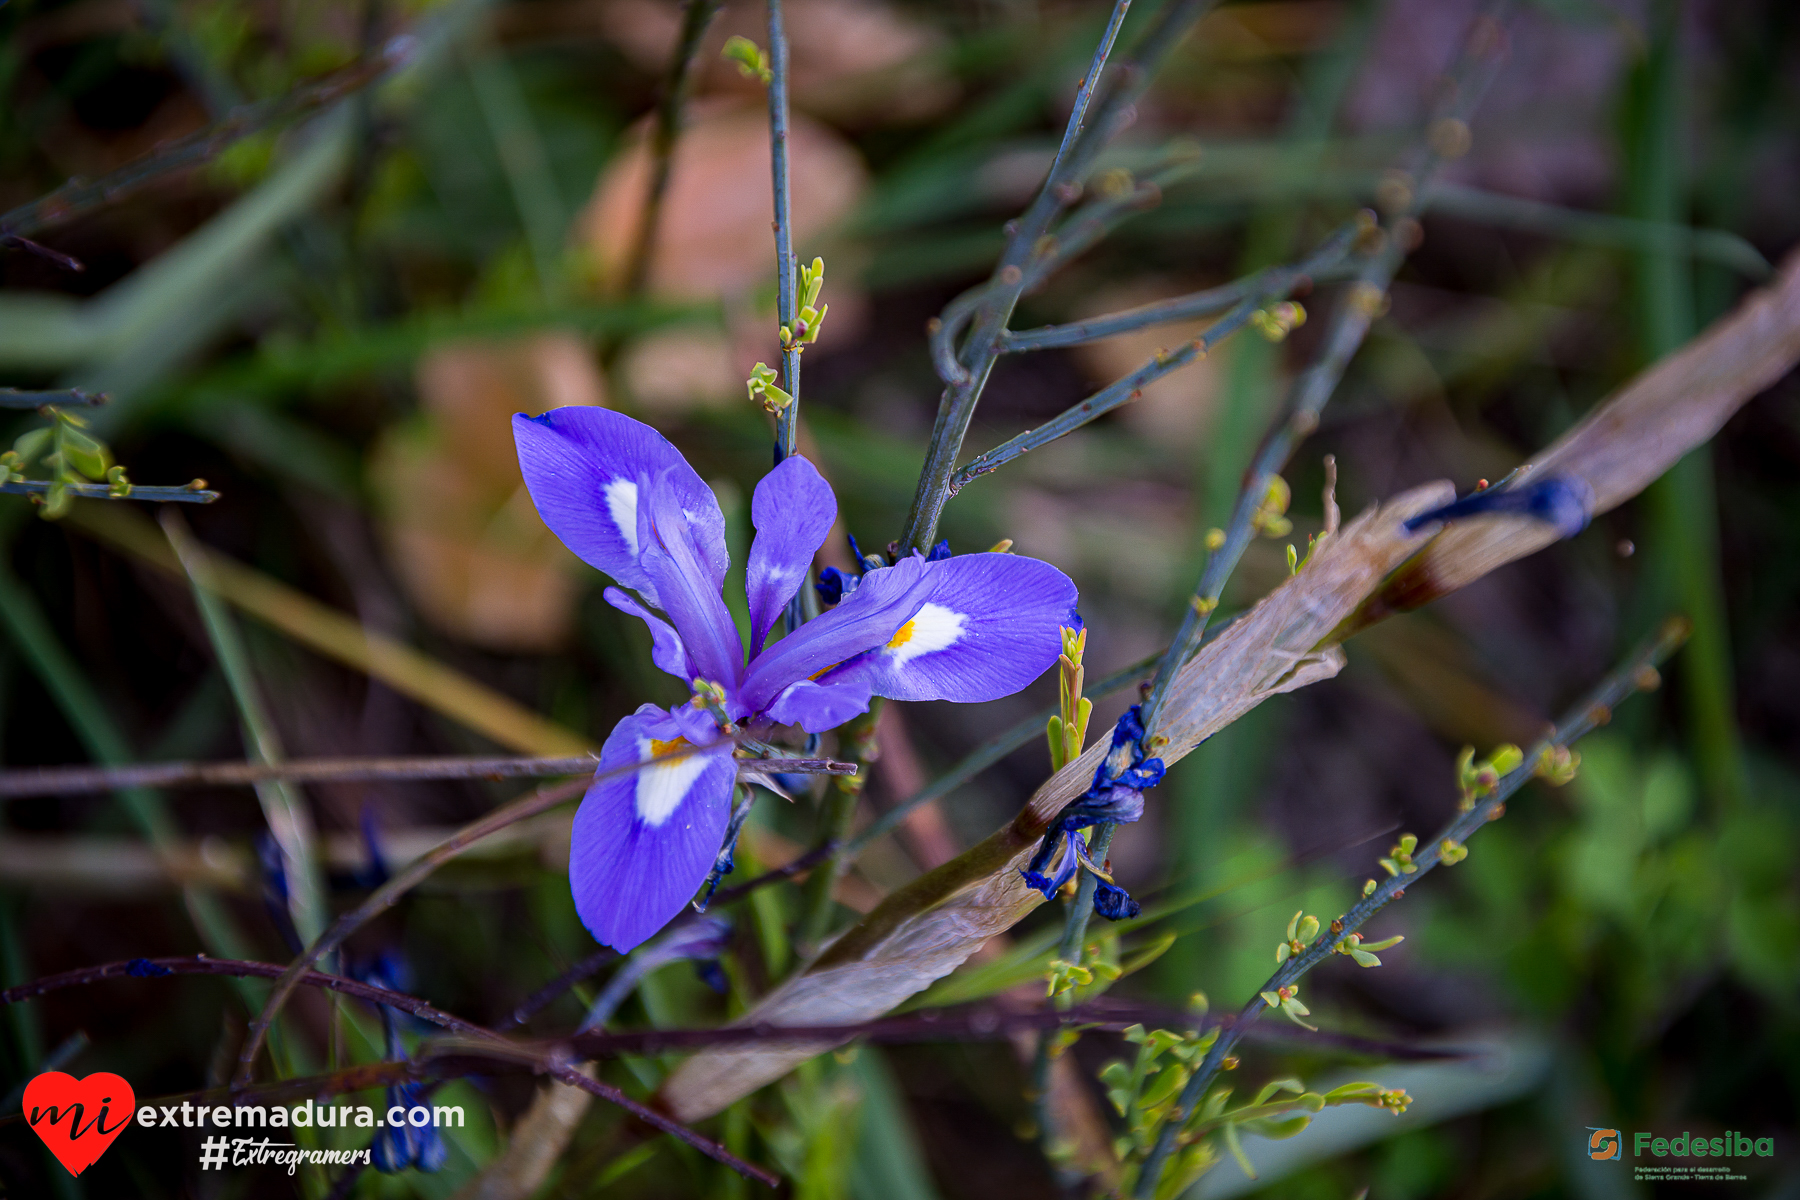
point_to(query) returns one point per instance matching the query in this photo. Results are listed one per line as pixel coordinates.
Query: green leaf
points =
(1277, 1085)
(30, 444)
(1275, 1128)
(1168, 1081)
(1147, 955)
(82, 452)
(1237, 1151)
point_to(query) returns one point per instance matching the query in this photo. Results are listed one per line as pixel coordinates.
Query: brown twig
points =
(696, 16)
(487, 1043)
(389, 893)
(149, 968)
(80, 196)
(59, 781)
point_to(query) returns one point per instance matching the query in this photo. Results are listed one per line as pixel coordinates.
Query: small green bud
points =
(1506, 759)
(1557, 765)
(1268, 519)
(752, 62)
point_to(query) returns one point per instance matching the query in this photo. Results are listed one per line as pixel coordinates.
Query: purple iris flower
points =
(970, 628)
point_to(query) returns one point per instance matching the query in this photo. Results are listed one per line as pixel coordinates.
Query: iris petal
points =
(865, 620)
(643, 842)
(666, 650)
(793, 509)
(691, 591)
(584, 467)
(985, 627)
(815, 707)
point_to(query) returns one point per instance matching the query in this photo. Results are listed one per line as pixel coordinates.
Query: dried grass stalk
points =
(1624, 444)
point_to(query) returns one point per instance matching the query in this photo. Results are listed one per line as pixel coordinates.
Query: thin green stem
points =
(284, 809)
(1178, 308)
(1684, 502)
(857, 744)
(787, 421)
(60, 397)
(1026, 247)
(1274, 285)
(187, 494)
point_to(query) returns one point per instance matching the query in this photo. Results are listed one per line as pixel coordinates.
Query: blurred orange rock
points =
(715, 241)
(461, 530)
(715, 235)
(675, 371)
(1176, 409)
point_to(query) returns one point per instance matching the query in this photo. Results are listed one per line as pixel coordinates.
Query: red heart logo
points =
(78, 1118)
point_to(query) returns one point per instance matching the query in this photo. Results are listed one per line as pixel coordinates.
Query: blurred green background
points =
(332, 321)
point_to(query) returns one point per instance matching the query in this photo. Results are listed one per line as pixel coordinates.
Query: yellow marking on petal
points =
(662, 787)
(932, 628)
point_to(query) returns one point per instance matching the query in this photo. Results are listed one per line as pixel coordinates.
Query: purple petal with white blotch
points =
(985, 628)
(793, 509)
(865, 619)
(816, 707)
(643, 843)
(666, 650)
(583, 468)
(688, 587)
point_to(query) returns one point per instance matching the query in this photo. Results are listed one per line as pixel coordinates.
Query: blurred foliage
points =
(332, 320)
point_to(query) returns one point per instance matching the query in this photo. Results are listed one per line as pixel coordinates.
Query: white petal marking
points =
(662, 788)
(933, 627)
(621, 506)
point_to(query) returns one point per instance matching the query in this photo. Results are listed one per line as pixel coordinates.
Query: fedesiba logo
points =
(1608, 1145)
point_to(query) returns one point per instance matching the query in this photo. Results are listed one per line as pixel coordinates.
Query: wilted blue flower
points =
(1116, 798)
(971, 628)
(1114, 903)
(1565, 501)
(400, 1144)
(275, 891)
